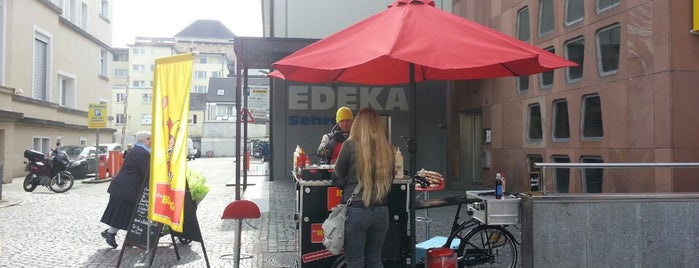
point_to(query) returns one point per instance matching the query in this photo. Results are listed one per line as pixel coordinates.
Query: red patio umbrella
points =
(412, 41)
(442, 46)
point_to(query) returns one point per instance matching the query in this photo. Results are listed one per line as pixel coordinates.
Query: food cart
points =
(316, 196)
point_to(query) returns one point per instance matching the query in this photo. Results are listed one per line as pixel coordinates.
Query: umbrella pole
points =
(413, 161)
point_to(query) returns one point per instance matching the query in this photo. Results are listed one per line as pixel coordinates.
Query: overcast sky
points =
(165, 18)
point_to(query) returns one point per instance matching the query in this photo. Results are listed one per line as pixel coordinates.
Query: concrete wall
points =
(610, 230)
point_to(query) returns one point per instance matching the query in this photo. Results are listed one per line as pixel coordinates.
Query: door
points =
(471, 147)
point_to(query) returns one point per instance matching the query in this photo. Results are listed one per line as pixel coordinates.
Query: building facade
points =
(631, 99)
(54, 63)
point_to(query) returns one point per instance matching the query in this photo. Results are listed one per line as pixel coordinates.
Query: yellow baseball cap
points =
(343, 113)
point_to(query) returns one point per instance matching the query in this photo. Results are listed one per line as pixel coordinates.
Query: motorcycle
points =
(51, 173)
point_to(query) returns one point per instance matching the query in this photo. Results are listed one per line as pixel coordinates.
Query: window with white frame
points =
(139, 68)
(220, 111)
(121, 72)
(138, 51)
(120, 97)
(120, 119)
(199, 89)
(84, 15)
(592, 126)
(575, 11)
(146, 119)
(535, 131)
(561, 125)
(608, 41)
(592, 177)
(67, 91)
(215, 74)
(147, 98)
(203, 59)
(604, 5)
(199, 74)
(546, 78)
(561, 176)
(104, 9)
(41, 144)
(523, 33)
(120, 56)
(575, 52)
(104, 62)
(138, 83)
(546, 17)
(42, 62)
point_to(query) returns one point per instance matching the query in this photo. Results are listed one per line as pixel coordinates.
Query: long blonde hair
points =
(374, 158)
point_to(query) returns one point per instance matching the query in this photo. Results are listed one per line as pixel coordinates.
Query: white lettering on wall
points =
(324, 98)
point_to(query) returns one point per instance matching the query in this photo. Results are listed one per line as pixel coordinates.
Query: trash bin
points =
(102, 167)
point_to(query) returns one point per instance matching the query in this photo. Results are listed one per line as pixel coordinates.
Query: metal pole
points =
(238, 93)
(246, 93)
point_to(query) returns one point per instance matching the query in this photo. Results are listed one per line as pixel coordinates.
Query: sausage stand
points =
(316, 196)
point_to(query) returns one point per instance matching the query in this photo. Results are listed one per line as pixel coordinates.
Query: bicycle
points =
(481, 244)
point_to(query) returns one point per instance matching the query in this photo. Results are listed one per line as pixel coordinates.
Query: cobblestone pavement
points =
(45, 229)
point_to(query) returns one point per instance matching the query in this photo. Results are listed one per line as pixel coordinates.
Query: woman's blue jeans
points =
(365, 232)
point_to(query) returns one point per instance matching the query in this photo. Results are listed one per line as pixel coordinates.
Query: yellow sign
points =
(695, 19)
(97, 116)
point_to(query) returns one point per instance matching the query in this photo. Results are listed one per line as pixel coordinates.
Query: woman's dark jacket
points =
(128, 183)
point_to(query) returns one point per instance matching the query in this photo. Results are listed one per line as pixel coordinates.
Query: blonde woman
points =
(365, 159)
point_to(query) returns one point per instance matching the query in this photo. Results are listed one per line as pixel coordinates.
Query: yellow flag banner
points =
(695, 16)
(172, 79)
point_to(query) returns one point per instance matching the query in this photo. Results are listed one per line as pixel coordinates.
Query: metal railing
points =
(545, 166)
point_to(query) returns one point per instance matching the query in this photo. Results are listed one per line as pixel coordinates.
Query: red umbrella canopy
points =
(442, 46)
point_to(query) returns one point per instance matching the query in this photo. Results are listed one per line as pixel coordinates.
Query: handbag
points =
(334, 225)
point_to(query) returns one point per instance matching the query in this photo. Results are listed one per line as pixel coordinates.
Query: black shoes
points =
(110, 238)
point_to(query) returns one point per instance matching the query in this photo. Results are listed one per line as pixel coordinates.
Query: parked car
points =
(79, 169)
(89, 154)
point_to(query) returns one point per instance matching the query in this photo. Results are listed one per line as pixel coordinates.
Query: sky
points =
(165, 18)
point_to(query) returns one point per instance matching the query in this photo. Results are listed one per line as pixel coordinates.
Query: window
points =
(199, 74)
(104, 9)
(67, 91)
(139, 68)
(546, 20)
(220, 111)
(534, 131)
(138, 83)
(41, 144)
(592, 126)
(604, 5)
(146, 119)
(192, 119)
(121, 72)
(42, 61)
(120, 119)
(575, 52)
(147, 98)
(139, 51)
(523, 34)
(220, 92)
(84, 14)
(120, 56)
(104, 62)
(203, 59)
(561, 127)
(546, 78)
(608, 40)
(535, 182)
(561, 176)
(575, 11)
(216, 74)
(120, 97)
(199, 89)
(592, 177)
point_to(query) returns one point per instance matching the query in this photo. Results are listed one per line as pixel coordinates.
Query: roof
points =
(221, 90)
(261, 52)
(206, 29)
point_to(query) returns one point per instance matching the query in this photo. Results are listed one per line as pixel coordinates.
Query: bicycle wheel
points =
(488, 246)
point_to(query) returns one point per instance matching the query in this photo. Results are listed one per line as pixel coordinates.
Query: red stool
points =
(425, 192)
(240, 210)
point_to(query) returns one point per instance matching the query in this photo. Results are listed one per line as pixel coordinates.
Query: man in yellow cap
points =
(331, 143)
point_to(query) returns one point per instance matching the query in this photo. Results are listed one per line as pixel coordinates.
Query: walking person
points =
(365, 160)
(126, 187)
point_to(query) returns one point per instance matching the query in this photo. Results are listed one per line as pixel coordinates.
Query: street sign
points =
(97, 116)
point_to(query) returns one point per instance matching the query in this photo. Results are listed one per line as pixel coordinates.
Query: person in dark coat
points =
(126, 187)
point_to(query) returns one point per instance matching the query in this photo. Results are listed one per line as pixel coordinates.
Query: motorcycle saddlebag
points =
(33, 155)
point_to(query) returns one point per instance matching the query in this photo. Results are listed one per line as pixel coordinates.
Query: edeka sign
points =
(326, 98)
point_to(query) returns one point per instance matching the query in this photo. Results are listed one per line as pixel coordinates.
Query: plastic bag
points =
(197, 185)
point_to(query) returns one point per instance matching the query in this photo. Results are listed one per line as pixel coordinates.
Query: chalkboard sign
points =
(137, 234)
